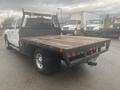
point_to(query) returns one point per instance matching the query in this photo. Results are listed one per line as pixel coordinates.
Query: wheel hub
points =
(39, 61)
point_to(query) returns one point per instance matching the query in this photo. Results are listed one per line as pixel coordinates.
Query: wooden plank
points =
(65, 41)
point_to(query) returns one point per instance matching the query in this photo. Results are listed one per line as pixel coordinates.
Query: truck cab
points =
(13, 33)
(94, 25)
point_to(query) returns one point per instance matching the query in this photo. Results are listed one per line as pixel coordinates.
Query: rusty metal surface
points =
(65, 41)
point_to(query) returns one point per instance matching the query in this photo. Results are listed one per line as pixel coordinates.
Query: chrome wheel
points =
(45, 61)
(39, 61)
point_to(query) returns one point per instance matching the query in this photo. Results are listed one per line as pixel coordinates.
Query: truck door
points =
(10, 34)
(15, 37)
(15, 33)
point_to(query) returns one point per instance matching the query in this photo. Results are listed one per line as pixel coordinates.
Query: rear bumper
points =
(85, 59)
(103, 47)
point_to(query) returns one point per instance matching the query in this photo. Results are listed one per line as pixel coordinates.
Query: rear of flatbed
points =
(73, 49)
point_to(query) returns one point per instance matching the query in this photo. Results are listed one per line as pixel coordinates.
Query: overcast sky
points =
(67, 5)
(50, 6)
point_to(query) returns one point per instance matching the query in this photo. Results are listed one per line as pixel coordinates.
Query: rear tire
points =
(46, 62)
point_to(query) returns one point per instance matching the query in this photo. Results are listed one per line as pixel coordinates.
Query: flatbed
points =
(90, 47)
(64, 41)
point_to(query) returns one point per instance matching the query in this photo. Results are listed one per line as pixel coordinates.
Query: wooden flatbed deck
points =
(64, 41)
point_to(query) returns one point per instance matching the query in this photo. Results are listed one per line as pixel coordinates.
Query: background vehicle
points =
(116, 24)
(72, 27)
(38, 36)
(94, 25)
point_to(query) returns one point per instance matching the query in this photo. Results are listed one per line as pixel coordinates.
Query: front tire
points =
(46, 62)
(7, 44)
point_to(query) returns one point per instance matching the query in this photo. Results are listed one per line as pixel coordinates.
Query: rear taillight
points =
(91, 51)
(73, 53)
(67, 54)
(70, 54)
(94, 50)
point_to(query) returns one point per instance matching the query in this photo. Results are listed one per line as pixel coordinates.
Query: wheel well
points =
(30, 49)
(50, 52)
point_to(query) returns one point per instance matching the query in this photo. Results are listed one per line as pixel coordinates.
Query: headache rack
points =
(35, 13)
(40, 15)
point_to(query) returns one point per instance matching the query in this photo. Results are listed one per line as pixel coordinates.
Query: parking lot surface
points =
(17, 73)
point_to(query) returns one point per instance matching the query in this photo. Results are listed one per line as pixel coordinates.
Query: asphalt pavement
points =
(17, 73)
